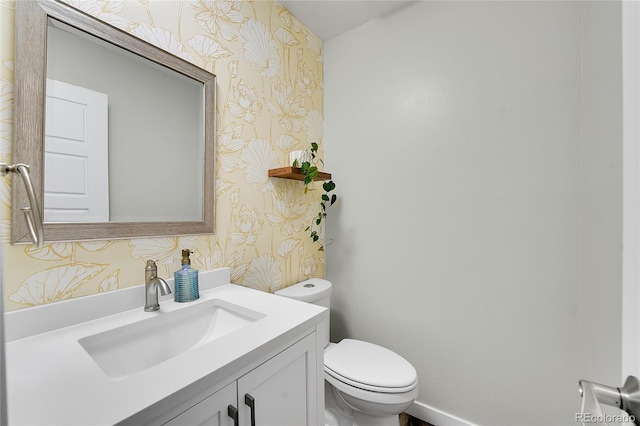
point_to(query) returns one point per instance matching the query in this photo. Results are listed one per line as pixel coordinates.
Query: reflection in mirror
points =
(140, 117)
(122, 144)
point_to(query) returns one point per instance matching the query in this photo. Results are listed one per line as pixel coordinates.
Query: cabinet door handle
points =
(233, 413)
(251, 402)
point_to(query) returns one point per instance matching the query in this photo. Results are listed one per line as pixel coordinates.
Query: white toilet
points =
(365, 384)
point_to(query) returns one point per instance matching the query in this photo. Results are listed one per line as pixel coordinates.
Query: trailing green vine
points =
(309, 170)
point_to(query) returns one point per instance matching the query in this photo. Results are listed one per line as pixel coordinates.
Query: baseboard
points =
(434, 416)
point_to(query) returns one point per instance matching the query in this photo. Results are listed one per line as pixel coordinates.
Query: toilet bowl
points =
(365, 384)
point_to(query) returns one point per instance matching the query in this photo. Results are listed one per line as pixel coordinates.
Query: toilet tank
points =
(314, 290)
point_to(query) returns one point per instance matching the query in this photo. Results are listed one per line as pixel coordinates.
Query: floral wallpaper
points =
(269, 102)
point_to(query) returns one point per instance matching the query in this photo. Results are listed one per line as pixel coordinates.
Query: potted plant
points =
(309, 170)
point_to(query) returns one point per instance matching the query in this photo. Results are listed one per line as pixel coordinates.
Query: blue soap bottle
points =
(186, 280)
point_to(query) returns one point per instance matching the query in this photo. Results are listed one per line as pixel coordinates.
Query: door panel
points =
(212, 411)
(76, 183)
(283, 388)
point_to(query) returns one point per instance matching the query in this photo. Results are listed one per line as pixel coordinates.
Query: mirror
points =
(116, 151)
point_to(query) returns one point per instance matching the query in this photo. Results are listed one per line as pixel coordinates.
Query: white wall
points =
(631, 189)
(601, 194)
(476, 229)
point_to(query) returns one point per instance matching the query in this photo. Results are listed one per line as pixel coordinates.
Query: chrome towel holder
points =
(31, 212)
(626, 398)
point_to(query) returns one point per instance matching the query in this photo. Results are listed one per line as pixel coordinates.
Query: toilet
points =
(365, 384)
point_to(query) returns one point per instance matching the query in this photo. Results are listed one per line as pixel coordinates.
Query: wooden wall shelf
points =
(291, 172)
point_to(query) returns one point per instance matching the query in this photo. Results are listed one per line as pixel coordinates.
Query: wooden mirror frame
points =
(29, 114)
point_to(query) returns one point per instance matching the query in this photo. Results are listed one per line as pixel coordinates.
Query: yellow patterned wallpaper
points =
(269, 102)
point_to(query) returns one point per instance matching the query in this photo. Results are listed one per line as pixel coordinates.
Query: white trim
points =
(434, 416)
(3, 370)
(631, 189)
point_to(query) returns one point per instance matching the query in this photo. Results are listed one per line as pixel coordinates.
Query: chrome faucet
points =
(151, 283)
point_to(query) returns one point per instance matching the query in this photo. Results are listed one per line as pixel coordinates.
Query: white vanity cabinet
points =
(282, 391)
(212, 411)
(274, 358)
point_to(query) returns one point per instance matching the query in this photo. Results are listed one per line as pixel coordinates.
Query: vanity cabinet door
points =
(212, 411)
(282, 391)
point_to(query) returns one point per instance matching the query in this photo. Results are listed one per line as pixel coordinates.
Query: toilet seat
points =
(369, 367)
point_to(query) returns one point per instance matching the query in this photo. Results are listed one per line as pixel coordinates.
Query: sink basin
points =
(129, 349)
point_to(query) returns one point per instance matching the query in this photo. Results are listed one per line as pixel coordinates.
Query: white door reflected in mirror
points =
(76, 157)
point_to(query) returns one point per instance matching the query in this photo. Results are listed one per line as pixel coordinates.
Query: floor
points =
(407, 420)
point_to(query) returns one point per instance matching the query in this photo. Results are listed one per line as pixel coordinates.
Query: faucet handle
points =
(151, 264)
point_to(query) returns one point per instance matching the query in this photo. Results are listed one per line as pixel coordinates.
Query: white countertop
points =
(52, 380)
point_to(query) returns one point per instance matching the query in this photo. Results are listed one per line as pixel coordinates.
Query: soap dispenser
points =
(186, 280)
